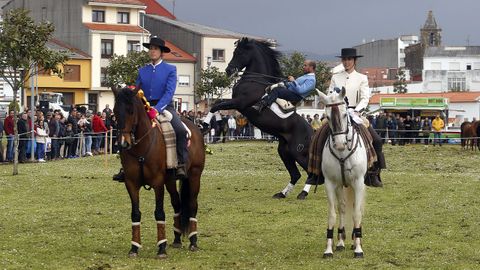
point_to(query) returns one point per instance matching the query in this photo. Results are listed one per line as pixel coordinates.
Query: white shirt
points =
(356, 85)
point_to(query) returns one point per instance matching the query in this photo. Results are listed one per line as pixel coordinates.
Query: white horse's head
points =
(337, 116)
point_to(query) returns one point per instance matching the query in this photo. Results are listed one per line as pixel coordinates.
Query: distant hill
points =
(314, 56)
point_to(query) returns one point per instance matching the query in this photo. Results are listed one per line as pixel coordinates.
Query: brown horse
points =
(468, 133)
(143, 156)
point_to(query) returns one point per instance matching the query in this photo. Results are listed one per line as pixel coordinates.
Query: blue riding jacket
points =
(303, 85)
(158, 82)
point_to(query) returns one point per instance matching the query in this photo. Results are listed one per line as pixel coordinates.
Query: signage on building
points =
(413, 102)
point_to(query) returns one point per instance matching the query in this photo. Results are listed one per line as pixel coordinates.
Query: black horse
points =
(261, 70)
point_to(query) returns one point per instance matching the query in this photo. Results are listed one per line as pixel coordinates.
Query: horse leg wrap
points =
(192, 228)
(136, 236)
(357, 233)
(161, 237)
(329, 234)
(341, 234)
(176, 228)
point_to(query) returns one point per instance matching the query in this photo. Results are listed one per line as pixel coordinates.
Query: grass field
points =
(71, 215)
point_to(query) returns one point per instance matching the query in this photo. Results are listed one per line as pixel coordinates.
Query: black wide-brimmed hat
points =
(349, 52)
(156, 41)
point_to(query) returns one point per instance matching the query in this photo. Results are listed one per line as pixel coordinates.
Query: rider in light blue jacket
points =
(294, 90)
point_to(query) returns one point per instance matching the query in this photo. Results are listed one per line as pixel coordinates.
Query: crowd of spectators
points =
(54, 136)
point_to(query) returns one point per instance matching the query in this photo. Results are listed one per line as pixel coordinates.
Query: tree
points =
(400, 85)
(22, 47)
(293, 65)
(124, 69)
(213, 83)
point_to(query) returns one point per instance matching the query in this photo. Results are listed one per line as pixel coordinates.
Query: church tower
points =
(431, 33)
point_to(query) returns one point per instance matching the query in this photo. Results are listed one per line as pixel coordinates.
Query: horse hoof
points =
(279, 195)
(176, 245)
(327, 255)
(162, 256)
(302, 195)
(132, 254)
(358, 255)
(340, 248)
(193, 248)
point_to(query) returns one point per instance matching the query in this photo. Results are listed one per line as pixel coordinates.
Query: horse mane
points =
(266, 48)
(123, 97)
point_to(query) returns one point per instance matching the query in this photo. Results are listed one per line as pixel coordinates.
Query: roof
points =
(203, 29)
(75, 53)
(126, 2)
(115, 27)
(452, 51)
(430, 23)
(177, 54)
(153, 7)
(454, 97)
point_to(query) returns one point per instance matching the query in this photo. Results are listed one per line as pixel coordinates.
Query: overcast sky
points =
(323, 27)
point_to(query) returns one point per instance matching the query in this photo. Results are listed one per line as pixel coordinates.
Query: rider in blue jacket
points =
(295, 89)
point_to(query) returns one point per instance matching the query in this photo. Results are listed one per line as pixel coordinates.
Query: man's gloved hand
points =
(166, 114)
(152, 113)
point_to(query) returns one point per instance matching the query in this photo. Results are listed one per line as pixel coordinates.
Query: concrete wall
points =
(471, 110)
(380, 53)
(185, 92)
(437, 80)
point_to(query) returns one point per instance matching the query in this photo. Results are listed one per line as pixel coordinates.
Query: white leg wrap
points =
(306, 188)
(208, 118)
(161, 242)
(176, 214)
(177, 230)
(288, 189)
(192, 234)
(136, 244)
(329, 249)
(136, 223)
(193, 219)
(161, 222)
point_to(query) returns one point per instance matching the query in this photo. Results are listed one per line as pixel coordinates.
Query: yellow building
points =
(76, 79)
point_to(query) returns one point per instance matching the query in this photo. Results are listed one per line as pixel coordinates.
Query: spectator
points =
(408, 128)
(99, 128)
(241, 125)
(426, 129)
(86, 138)
(107, 110)
(41, 134)
(69, 137)
(309, 119)
(113, 123)
(437, 125)
(381, 126)
(401, 131)
(232, 126)
(54, 132)
(392, 129)
(73, 120)
(9, 131)
(22, 127)
(316, 123)
(417, 127)
(61, 136)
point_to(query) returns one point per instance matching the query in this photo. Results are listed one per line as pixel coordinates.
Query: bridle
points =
(349, 123)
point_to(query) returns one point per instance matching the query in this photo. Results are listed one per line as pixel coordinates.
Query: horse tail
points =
(185, 199)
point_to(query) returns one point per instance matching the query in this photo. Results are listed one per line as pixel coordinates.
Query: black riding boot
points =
(120, 176)
(373, 175)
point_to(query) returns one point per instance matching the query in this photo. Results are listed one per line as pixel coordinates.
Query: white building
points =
(451, 69)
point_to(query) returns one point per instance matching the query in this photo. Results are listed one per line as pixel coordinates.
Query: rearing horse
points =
(143, 156)
(262, 69)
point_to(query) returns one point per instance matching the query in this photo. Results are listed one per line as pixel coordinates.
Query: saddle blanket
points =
(170, 141)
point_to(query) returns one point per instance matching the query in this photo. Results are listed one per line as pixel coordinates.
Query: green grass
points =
(71, 215)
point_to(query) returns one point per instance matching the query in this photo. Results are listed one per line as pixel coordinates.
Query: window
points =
(44, 13)
(2, 91)
(456, 84)
(218, 55)
(469, 67)
(183, 80)
(103, 77)
(98, 16)
(72, 73)
(107, 48)
(133, 46)
(123, 17)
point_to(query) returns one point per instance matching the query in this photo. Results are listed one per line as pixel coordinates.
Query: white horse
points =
(344, 164)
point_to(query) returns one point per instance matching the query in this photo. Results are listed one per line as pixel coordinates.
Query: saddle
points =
(284, 106)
